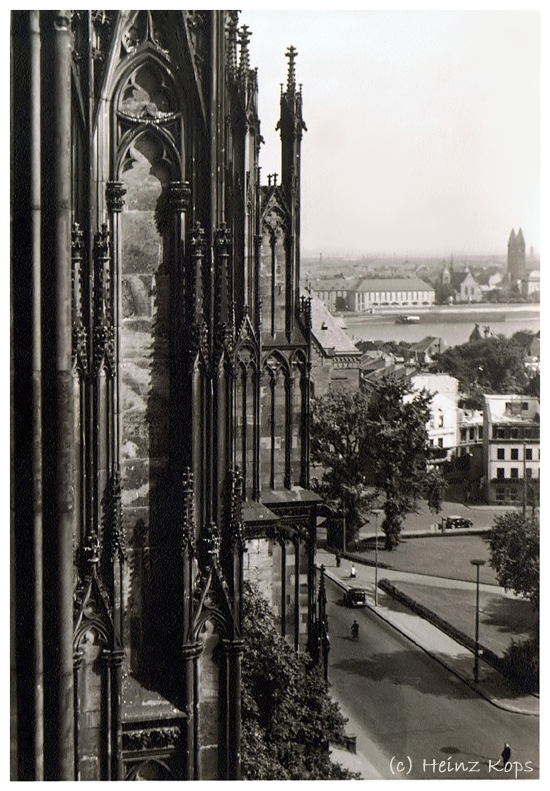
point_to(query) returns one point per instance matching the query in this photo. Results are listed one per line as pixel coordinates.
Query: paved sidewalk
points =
(458, 659)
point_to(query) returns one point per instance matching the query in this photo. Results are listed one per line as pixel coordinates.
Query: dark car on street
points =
(355, 597)
(453, 522)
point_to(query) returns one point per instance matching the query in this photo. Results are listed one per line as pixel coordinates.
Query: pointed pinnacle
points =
(291, 54)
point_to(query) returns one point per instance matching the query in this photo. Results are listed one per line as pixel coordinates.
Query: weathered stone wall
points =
(263, 567)
(209, 705)
(145, 380)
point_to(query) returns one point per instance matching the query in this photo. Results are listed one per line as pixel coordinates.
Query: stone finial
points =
(232, 24)
(244, 63)
(291, 54)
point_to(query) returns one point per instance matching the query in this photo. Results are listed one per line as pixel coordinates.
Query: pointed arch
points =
(274, 420)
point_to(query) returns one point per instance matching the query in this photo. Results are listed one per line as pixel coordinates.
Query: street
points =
(413, 718)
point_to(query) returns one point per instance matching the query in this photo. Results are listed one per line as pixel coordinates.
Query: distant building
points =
(335, 359)
(442, 426)
(333, 291)
(465, 287)
(404, 292)
(530, 283)
(511, 448)
(424, 351)
(477, 335)
(459, 284)
(529, 342)
(373, 376)
(470, 431)
(516, 256)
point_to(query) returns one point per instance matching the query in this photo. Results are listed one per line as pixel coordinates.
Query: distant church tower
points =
(516, 256)
(446, 275)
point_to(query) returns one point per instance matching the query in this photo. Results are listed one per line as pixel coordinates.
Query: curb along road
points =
(530, 706)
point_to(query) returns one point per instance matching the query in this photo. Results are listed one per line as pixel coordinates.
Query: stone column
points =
(60, 749)
(306, 426)
(232, 653)
(115, 669)
(257, 383)
(296, 594)
(289, 387)
(115, 192)
(77, 664)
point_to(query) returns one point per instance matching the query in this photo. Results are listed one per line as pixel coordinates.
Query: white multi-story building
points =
(470, 431)
(442, 426)
(511, 448)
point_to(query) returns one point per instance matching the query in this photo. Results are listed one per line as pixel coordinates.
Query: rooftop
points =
(328, 333)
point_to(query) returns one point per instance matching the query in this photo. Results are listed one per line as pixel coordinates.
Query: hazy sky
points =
(423, 126)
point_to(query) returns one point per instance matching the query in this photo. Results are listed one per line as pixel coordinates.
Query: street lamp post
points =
(376, 512)
(323, 638)
(477, 564)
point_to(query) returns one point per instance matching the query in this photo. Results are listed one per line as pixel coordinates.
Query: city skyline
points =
(423, 127)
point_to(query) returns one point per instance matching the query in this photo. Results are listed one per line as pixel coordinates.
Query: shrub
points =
(521, 664)
(288, 718)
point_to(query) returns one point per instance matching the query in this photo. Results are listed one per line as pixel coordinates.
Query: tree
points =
(396, 453)
(367, 446)
(443, 293)
(288, 718)
(489, 365)
(514, 541)
(337, 436)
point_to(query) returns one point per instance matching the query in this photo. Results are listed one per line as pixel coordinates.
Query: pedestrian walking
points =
(355, 630)
(338, 559)
(352, 572)
(506, 754)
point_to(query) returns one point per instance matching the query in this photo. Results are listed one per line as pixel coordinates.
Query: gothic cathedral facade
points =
(161, 358)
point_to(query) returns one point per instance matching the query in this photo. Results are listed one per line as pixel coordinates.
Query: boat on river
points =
(407, 319)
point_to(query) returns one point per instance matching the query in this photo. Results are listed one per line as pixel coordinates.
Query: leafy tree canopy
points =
(490, 365)
(514, 541)
(336, 439)
(396, 453)
(288, 718)
(379, 441)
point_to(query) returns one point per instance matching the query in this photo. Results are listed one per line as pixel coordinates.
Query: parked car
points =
(453, 522)
(355, 597)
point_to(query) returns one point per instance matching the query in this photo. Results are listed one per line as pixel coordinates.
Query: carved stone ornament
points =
(115, 191)
(144, 27)
(179, 195)
(115, 546)
(188, 519)
(80, 335)
(62, 20)
(236, 510)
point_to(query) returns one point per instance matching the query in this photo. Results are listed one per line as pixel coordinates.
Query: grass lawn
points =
(439, 555)
(501, 619)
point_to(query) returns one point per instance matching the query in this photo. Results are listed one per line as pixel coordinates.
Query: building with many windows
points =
(442, 426)
(369, 294)
(511, 448)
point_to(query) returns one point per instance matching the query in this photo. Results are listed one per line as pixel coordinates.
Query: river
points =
(453, 324)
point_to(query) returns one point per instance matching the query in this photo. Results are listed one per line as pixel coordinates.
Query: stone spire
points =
(291, 54)
(232, 24)
(244, 63)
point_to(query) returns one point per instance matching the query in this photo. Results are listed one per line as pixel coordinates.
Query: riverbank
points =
(453, 323)
(466, 312)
